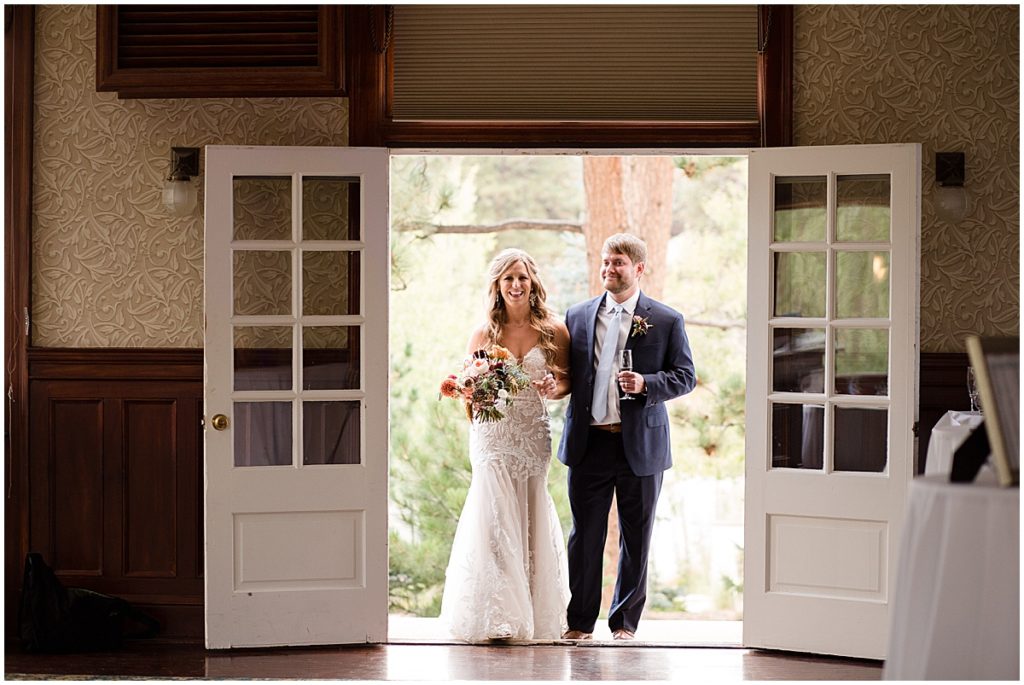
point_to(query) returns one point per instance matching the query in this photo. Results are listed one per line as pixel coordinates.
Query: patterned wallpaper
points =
(111, 269)
(945, 76)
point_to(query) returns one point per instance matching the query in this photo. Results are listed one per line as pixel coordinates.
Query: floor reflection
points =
(592, 661)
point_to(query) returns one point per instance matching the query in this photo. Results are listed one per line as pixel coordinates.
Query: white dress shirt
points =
(604, 315)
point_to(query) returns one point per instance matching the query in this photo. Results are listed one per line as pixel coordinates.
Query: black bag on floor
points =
(53, 618)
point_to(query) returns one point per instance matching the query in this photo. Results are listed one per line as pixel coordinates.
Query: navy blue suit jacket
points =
(662, 356)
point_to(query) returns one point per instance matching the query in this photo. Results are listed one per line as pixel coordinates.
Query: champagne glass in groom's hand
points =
(625, 364)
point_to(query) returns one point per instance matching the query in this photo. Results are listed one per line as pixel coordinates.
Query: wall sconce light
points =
(950, 196)
(179, 192)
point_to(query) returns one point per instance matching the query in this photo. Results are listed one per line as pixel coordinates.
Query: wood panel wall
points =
(115, 474)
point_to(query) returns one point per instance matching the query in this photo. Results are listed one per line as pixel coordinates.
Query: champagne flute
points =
(626, 364)
(972, 389)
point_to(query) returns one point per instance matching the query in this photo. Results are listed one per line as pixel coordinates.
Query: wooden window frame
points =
(371, 123)
(326, 80)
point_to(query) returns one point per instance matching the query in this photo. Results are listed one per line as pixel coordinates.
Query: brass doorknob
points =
(220, 422)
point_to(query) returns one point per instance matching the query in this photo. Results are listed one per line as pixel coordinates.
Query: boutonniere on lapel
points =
(640, 327)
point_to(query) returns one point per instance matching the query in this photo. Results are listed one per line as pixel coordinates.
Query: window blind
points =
(218, 36)
(575, 63)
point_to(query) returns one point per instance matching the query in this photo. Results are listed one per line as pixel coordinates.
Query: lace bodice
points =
(522, 440)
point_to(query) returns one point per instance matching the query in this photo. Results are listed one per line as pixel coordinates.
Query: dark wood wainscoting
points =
(115, 474)
(943, 387)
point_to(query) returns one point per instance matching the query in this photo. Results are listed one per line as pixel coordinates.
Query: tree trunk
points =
(626, 195)
(606, 210)
(647, 185)
(629, 195)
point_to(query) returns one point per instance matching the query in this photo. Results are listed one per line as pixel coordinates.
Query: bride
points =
(507, 575)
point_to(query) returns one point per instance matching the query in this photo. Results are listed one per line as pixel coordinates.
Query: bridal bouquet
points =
(488, 381)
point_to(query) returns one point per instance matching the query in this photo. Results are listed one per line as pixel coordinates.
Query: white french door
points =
(832, 358)
(296, 412)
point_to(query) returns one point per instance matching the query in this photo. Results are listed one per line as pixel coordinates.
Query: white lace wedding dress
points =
(507, 576)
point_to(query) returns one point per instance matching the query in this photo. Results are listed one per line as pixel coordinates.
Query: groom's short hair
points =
(627, 244)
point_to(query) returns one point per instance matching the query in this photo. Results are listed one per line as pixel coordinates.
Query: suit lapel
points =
(643, 308)
(592, 309)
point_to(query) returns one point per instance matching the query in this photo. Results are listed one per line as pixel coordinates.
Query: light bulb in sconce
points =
(950, 196)
(180, 193)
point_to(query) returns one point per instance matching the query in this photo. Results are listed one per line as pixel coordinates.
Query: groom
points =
(618, 447)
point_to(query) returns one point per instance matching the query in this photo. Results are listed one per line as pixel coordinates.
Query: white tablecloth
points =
(949, 433)
(955, 610)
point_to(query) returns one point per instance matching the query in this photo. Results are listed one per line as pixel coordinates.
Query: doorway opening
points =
(450, 214)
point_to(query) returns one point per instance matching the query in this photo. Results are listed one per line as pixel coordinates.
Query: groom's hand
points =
(631, 382)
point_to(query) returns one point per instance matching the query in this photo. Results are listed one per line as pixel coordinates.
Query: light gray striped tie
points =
(599, 407)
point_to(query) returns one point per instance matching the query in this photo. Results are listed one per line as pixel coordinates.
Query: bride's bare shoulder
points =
(478, 339)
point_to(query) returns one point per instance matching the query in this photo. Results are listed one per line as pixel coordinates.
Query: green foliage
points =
(707, 282)
(430, 475)
(528, 186)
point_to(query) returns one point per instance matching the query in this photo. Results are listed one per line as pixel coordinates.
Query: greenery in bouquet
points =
(488, 381)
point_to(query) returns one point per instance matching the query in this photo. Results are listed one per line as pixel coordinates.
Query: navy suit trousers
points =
(592, 482)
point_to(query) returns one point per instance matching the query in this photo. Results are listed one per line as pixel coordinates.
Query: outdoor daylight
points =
(450, 215)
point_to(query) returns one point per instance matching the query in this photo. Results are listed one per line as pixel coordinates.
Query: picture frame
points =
(996, 363)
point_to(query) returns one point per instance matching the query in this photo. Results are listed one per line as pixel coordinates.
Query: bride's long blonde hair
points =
(541, 318)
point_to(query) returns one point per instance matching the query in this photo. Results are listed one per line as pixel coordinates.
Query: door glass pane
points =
(330, 432)
(262, 282)
(862, 208)
(330, 208)
(800, 208)
(263, 357)
(862, 285)
(862, 362)
(860, 439)
(798, 362)
(800, 284)
(263, 433)
(330, 357)
(797, 436)
(262, 208)
(330, 283)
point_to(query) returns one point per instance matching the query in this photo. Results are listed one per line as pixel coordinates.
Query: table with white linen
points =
(955, 610)
(947, 435)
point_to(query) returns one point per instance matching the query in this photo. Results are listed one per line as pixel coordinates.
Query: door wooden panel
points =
(73, 469)
(150, 488)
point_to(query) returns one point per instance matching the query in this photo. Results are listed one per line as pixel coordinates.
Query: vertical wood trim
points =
(106, 43)
(19, 65)
(775, 75)
(368, 78)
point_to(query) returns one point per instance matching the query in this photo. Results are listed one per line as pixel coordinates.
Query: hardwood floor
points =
(403, 662)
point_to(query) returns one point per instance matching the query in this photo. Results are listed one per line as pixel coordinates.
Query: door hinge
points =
(28, 322)
(916, 428)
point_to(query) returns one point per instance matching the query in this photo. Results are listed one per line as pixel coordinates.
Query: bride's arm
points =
(562, 384)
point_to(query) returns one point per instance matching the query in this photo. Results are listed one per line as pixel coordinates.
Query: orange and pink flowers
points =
(488, 381)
